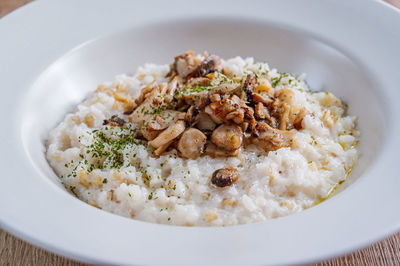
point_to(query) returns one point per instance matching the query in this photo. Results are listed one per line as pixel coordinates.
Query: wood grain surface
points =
(14, 251)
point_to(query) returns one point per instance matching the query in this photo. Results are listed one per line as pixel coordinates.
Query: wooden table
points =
(14, 251)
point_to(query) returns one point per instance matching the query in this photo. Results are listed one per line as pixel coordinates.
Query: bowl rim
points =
(52, 229)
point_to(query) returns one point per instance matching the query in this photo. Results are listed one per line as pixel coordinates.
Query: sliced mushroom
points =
(179, 116)
(149, 125)
(173, 86)
(284, 119)
(209, 111)
(172, 132)
(261, 111)
(191, 115)
(198, 82)
(191, 144)
(150, 129)
(249, 84)
(296, 117)
(264, 86)
(194, 91)
(228, 108)
(210, 64)
(224, 177)
(289, 115)
(162, 148)
(236, 116)
(150, 102)
(228, 137)
(258, 98)
(114, 121)
(157, 123)
(129, 108)
(245, 126)
(191, 95)
(215, 97)
(271, 139)
(202, 102)
(214, 151)
(184, 64)
(204, 122)
(145, 93)
(148, 134)
(224, 88)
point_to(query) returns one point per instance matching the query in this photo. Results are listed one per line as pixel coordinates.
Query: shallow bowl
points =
(56, 60)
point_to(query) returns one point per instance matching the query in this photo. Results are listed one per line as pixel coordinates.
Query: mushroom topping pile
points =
(201, 110)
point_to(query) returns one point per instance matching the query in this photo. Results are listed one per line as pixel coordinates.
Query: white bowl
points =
(344, 49)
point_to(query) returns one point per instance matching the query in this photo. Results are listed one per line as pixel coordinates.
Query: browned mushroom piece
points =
(261, 111)
(147, 133)
(157, 123)
(205, 123)
(145, 93)
(214, 151)
(224, 177)
(198, 82)
(114, 121)
(265, 99)
(172, 132)
(149, 125)
(245, 126)
(228, 137)
(236, 116)
(184, 64)
(179, 116)
(289, 115)
(210, 110)
(191, 144)
(296, 117)
(191, 95)
(149, 102)
(224, 88)
(191, 115)
(284, 116)
(249, 84)
(202, 102)
(150, 129)
(129, 110)
(229, 108)
(211, 64)
(215, 97)
(271, 139)
(162, 148)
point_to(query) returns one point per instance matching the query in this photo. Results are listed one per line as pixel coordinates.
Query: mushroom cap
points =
(228, 137)
(191, 144)
(224, 177)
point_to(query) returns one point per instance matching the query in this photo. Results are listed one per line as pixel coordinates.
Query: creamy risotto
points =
(206, 142)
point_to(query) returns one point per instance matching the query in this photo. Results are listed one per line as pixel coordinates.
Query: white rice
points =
(173, 190)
